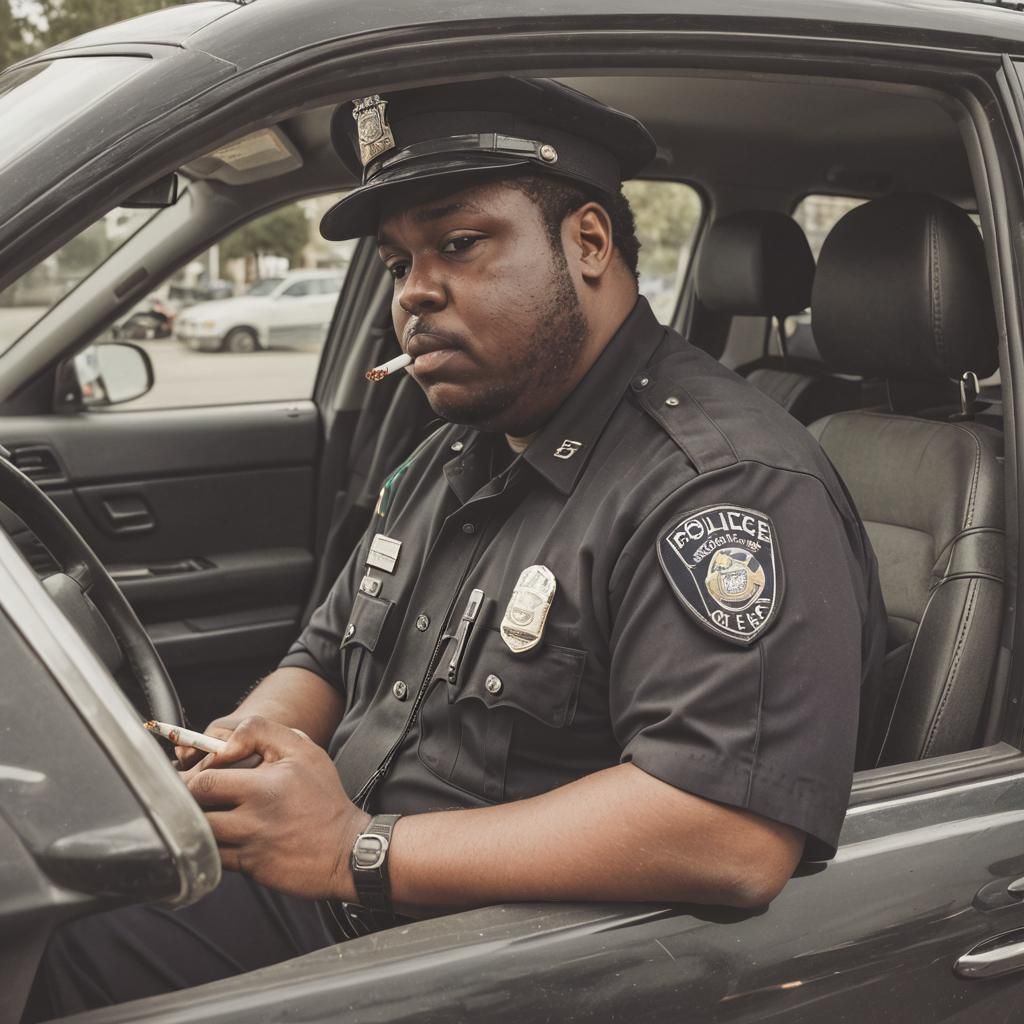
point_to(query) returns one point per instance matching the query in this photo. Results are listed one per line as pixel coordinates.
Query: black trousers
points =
(134, 952)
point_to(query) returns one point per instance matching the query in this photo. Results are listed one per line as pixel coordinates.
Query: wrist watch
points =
(369, 863)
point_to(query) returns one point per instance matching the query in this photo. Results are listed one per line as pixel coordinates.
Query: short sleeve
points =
(767, 723)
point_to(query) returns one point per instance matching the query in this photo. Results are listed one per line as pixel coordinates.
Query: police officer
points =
(605, 636)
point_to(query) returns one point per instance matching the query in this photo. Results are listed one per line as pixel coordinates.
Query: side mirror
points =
(102, 375)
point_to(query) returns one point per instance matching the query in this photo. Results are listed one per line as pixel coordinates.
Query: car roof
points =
(248, 34)
(851, 138)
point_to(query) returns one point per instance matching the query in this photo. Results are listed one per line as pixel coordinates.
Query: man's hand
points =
(291, 696)
(221, 728)
(288, 823)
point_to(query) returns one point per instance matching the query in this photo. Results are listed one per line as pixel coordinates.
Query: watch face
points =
(369, 852)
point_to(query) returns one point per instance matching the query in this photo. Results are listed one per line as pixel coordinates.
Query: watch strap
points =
(369, 863)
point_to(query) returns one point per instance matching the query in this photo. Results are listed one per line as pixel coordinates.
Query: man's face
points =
(484, 304)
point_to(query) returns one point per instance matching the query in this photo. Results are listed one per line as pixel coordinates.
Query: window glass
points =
(667, 215)
(23, 303)
(246, 320)
(818, 214)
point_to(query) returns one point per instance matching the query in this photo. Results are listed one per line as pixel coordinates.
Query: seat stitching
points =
(936, 289)
(954, 665)
(903, 681)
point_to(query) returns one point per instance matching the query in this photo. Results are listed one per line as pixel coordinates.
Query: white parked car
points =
(288, 310)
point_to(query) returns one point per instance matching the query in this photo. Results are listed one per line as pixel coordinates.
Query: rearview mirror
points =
(101, 375)
(156, 195)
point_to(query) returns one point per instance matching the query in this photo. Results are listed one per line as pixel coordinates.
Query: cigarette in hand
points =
(182, 737)
(391, 366)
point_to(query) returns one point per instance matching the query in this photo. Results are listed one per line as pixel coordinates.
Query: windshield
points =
(35, 293)
(265, 287)
(37, 101)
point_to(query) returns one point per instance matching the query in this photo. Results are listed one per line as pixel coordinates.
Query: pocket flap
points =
(544, 684)
(367, 621)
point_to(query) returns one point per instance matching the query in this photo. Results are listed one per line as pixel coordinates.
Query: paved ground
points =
(183, 377)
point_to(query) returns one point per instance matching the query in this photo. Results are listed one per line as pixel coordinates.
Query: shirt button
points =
(458, 446)
(468, 528)
(400, 690)
(350, 631)
(672, 402)
(493, 684)
(422, 623)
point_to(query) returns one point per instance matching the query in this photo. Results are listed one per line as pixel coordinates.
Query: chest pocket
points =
(361, 637)
(500, 718)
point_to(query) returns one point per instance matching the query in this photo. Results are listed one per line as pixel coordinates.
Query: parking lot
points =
(183, 377)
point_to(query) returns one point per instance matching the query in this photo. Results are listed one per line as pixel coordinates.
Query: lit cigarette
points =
(186, 737)
(388, 368)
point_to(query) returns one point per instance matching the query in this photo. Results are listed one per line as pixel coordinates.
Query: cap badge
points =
(527, 613)
(372, 126)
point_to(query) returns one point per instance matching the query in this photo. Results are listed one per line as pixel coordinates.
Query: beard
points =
(559, 335)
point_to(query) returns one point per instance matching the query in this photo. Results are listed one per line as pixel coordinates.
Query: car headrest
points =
(902, 292)
(755, 263)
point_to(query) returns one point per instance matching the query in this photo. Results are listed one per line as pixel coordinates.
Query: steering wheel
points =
(85, 592)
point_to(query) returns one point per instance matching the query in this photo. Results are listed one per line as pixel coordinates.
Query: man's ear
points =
(590, 239)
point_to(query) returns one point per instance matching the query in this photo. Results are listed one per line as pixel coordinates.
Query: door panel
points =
(205, 518)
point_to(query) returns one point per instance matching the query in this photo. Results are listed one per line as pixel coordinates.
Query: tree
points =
(32, 25)
(14, 44)
(284, 232)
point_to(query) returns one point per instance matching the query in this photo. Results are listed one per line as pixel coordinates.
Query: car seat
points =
(902, 293)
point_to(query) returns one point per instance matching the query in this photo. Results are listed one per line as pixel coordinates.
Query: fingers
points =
(232, 828)
(221, 728)
(256, 735)
(213, 788)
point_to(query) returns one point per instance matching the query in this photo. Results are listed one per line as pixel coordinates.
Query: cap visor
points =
(358, 214)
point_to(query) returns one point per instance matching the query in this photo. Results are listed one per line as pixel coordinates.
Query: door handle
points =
(994, 957)
(128, 513)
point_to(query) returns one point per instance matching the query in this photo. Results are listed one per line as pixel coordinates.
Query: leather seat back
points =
(902, 292)
(758, 263)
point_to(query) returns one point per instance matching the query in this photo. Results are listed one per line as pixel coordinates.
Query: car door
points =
(298, 312)
(199, 497)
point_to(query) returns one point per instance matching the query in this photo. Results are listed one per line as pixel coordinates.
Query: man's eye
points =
(398, 270)
(459, 244)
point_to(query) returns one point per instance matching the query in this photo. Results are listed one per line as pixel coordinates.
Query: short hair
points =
(558, 197)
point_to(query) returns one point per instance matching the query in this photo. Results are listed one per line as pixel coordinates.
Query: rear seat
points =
(758, 263)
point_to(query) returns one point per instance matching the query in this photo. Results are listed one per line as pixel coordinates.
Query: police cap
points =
(468, 129)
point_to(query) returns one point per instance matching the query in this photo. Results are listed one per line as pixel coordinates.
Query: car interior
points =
(881, 337)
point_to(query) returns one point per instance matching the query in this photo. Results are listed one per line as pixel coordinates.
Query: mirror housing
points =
(156, 195)
(102, 375)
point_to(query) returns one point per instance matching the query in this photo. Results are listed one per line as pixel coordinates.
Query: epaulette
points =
(671, 393)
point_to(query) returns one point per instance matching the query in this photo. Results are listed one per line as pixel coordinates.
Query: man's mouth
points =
(430, 350)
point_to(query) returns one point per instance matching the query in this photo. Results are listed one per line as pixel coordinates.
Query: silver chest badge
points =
(523, 623)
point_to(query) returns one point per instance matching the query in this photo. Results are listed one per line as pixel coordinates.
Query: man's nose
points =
(422, 290)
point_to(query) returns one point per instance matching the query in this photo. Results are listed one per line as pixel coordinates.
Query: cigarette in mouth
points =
(186, 737)
(391, 366)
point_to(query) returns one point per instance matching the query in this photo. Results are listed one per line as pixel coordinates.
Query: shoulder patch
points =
(723, 564)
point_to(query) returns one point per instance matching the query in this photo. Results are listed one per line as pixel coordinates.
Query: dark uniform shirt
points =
(716, 607)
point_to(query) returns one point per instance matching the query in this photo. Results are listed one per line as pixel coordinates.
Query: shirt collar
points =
(562, 448)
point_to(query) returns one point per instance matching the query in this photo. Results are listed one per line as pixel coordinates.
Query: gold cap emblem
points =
(372, 127)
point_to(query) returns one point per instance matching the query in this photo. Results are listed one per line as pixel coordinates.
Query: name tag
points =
(384, 553)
